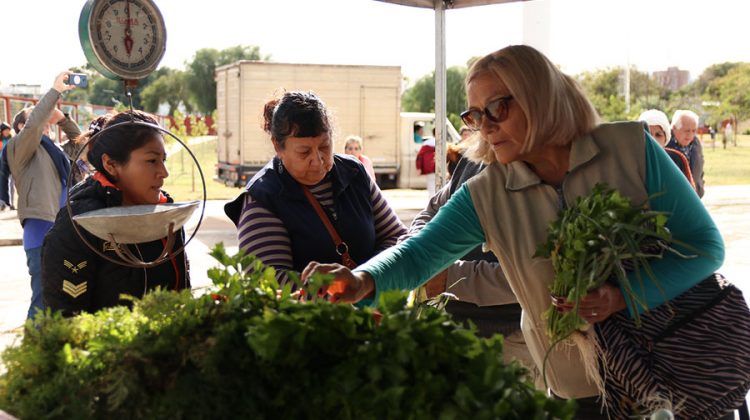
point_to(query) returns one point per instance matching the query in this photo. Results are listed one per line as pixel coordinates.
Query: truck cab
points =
(408, 176)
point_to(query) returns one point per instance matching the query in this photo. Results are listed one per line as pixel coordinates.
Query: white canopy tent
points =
(440, 6)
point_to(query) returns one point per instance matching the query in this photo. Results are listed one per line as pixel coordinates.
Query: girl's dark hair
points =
(296, 114)
(118, 142)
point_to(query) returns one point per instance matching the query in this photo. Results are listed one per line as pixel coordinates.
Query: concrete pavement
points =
(10, 229)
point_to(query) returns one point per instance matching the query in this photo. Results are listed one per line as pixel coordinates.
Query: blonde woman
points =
(544, 147)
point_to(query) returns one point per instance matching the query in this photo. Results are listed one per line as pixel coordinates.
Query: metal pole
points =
(440, 95)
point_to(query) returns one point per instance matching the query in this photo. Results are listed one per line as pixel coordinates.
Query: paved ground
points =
(730, 207)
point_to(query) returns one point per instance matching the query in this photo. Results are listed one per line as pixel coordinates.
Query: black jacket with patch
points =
(75, 279)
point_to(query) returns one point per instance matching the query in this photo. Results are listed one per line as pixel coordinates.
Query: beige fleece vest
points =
(515, 208)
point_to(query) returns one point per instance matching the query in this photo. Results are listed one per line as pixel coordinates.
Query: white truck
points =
(363, 100)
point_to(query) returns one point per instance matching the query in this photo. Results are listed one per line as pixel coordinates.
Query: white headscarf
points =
(656, 117)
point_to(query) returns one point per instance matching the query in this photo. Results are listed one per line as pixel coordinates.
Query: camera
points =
(77, 79)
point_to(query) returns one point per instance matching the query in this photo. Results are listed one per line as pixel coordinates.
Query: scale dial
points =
(123, 39)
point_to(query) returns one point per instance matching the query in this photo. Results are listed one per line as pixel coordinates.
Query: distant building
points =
(24, 90)
(673, 78)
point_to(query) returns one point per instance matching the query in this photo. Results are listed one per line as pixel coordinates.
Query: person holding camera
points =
(40, 172)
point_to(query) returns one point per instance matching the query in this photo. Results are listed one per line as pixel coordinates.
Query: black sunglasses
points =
(496, 111)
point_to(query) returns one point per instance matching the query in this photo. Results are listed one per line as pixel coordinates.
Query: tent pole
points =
(440, 95)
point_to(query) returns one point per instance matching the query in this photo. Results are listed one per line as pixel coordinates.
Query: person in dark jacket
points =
(684, 140)
(130, 170)
(276, 216)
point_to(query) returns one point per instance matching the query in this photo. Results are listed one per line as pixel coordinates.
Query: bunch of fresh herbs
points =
(602, 237)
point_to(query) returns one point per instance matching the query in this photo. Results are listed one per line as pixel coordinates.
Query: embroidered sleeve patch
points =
(74, 290)
(75, 268)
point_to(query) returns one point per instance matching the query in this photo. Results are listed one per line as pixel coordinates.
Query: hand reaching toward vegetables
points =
(347, 286)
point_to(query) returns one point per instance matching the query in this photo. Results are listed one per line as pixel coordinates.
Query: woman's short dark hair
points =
(296, 114)
(118, 142)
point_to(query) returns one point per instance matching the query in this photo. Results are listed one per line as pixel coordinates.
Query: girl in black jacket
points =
(130, 170)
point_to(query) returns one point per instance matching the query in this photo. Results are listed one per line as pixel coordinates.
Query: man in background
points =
(684, 128)
(40, 172)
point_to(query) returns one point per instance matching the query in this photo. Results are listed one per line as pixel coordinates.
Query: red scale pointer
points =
(128, 39)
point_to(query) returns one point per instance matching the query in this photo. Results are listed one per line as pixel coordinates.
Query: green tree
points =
(105, 92)
(169, 87)
(703, 85)
(605, 88)
(421, 96)
(200, 80)
(733, 90)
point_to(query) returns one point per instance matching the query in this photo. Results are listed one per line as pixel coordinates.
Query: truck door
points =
(379, 119)
(228, 111)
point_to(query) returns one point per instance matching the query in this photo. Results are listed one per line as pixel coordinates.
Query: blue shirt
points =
(34, 230)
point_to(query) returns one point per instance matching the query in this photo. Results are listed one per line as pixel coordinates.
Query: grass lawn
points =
(727, 167)
(184, 182)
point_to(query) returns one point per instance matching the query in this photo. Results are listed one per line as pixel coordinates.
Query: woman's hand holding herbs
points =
(595, 306)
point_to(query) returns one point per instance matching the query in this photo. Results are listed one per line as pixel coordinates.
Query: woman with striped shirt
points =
(275, 216)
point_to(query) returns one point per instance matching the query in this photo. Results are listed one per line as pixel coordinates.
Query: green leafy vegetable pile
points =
(248, 351)
(601, 237)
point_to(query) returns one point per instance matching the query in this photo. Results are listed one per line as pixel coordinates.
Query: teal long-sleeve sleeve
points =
(453, 232)
(689, 222)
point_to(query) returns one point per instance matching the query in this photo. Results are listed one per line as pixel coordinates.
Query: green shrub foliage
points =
(247, 351)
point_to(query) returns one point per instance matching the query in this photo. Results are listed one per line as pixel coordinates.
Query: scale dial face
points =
(123, 39)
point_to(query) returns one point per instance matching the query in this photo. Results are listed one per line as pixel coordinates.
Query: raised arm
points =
(22, 147)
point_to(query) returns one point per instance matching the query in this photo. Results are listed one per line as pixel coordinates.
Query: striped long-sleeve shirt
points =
(263, 234)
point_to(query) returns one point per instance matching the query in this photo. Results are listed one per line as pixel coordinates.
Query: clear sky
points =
(40, 37)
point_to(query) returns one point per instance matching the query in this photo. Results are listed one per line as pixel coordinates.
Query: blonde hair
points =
(556, 109)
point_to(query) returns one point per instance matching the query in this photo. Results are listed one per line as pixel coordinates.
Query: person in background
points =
(658, 126)
(418, 132)
(684, 140)
(40, 172)
(426, 163)
(292, 210)
(482, 293)
(7, 189)
(81, 168)
(465, 133)
(728, 134)
(353, 146)
(536, 166)
(130, 170)
(455, 152)
(4, 134)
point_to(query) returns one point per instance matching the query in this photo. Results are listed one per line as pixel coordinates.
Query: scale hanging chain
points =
(127, 84)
